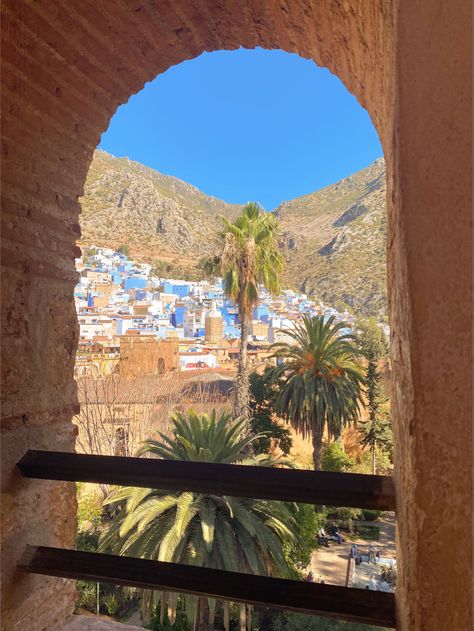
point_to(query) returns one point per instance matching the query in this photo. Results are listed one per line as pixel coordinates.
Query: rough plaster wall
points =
(430, 291)
(67, 66)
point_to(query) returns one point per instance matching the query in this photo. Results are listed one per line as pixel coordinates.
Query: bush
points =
(111, 604)
(371, 515)
(345, 516)
(87, 595)
(89, 508)
(287, 621)
(335, 458)
(309, 519)
(383, 463)
(87, 541)
(181, 623)
(370, 533)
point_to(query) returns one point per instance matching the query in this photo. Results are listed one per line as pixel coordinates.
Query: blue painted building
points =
(141, 294)
(177, 317)
(178, 289)
(135, 282)
(231, 331)
(261, 312)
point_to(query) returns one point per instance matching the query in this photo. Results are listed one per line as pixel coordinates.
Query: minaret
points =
(214, 325)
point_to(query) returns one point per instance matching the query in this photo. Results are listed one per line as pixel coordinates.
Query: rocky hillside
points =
(334, 239)
(157, 216)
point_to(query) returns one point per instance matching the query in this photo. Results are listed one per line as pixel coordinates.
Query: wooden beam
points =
(355, 605)
(312, 487)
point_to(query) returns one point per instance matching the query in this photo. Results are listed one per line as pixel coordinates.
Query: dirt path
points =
(330, 564)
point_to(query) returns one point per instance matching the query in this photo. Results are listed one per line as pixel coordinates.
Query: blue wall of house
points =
(179, 290)
(136, 282)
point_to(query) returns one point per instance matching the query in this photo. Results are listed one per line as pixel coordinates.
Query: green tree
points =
(335, 458)
(229, 533)
(263, 397)
(376, 431)
(250, 257)
(308, 520)
(210, 265)
(372, 337)
(324, 379)
(123, 249)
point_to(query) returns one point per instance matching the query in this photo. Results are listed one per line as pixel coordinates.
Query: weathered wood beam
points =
(312, 487)
(355, 605)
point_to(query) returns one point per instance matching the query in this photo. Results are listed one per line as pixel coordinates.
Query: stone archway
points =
(66, 68)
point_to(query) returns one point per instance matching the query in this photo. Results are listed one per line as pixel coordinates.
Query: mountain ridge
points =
(334, 239)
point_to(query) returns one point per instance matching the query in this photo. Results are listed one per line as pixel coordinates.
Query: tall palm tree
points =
(228, 533)
(250, 257)
(323, 379)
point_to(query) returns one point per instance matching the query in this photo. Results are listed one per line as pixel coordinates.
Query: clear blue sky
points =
(246, 125)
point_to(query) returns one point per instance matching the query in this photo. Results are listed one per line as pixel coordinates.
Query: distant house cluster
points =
(171, 324)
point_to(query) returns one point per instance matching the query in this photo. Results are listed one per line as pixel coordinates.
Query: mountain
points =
(156, 215)
(334, 239)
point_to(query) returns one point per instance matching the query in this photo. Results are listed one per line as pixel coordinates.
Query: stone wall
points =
(67, 66)
(142, 355)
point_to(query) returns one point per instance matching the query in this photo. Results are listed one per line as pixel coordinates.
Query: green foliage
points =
(287, 621)
(229, 533)
(250, 257)
(371, 533)
(87, 595)
(160, 622)
(111, 604)
(123, 249)
(372, 337)
(113, 600)
(263, 396)
(87, 541)
(335, 458)
(376, 431)
(383, 463)
(87, 254)
(345, 516)
(89, 508)
(308, 520)
(371, 515)
(323, 379)
(211, 266)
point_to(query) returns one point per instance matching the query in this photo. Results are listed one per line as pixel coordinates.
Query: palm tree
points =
(323, 379)
(228, 533)
(250, 257)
